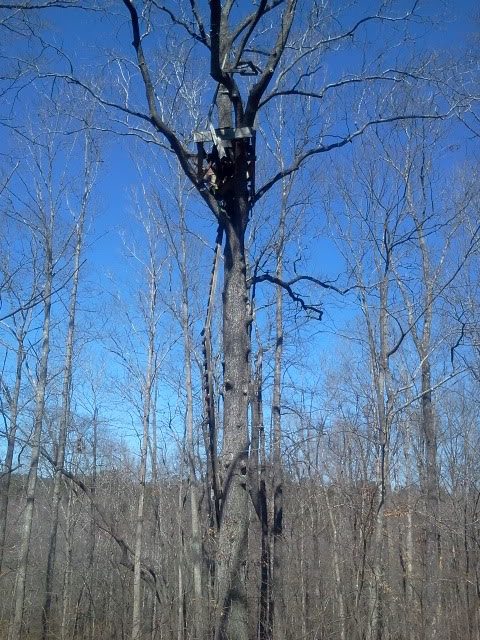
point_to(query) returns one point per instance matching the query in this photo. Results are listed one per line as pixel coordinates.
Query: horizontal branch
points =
(431, 389)
(299, 160)
(288, 287)
(268, 277)
(70, 79)
(48, 4)
(384, 76)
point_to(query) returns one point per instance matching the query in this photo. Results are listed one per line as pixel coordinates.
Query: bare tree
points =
(151, 322)
(256, 54)
(89, 176)
(230, 194)
(14, 273)
(13, 400)
(438, 271)
(45, 213)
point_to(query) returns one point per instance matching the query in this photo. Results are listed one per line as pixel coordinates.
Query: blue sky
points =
(86, 37)
(92, 41)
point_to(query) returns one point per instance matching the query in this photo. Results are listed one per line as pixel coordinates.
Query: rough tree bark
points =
(232, 621)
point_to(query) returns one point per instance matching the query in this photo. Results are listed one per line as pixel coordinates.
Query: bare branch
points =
(260, 87)
(148, 573)
(252, 22)
(199, 37)
(268, 277)
(216, 70)
(199, 21)
(245, 23)
(287, 286)
(48, 4)
(177, 147)
(386, 75)
(155, 118)
(334, 39)
(299, 160)
(39, 298)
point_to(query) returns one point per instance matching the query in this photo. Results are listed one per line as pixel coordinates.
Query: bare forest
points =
(239, 320)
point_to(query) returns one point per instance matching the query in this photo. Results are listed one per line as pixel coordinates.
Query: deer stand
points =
(216, 168)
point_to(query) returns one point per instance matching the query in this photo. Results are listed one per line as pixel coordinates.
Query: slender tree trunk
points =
(380, 378)
(147, 404)
(410, 606)
(258, 490)
(180, 584)
(92, 529)
(63, 430)
(429, 477)
(156, 508)
(198, 609)
(41, 385)
(303, 577)
(277, 603)
(137, 580)
(336, 567)
(432, 596)
(11, 436)
(67, 576)
(196, 551)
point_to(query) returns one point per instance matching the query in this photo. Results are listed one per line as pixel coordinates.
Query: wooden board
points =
(228, 133)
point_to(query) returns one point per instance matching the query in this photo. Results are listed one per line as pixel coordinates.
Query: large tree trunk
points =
(232, 612)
